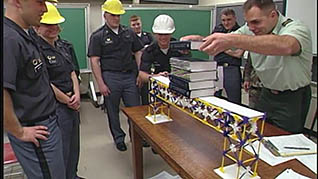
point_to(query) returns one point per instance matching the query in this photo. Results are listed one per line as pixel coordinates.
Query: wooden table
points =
(192, 149)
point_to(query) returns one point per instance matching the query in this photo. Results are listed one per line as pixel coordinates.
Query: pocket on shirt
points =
(34, 68)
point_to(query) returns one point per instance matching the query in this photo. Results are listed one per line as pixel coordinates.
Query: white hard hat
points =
(163, 24)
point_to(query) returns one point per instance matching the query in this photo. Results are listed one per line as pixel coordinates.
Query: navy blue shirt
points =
(146, 38)
(25, 75)
(153, 56)
(222, 57)
(59, 64)
(115, 50)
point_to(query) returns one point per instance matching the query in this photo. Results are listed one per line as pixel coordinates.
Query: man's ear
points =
(273, 13)
(18, 3)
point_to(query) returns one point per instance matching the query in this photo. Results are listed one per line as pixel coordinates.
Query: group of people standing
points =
(41, 87)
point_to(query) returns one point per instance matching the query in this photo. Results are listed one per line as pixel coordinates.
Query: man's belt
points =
(227, 64)
(120, 71)
(39, 119)
(285, 91)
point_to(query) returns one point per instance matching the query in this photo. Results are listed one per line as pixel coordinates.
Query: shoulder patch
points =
(65, 42)
(287, 22)
(99, 30)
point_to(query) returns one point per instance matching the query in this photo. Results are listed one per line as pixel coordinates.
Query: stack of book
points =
(193, 77)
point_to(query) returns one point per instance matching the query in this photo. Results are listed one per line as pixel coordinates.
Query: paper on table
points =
(309, 161)
(267, 156)
(162, 79)
(241, 110)
(230, 172)
(289, 173)
(163, 175)
(293, 140)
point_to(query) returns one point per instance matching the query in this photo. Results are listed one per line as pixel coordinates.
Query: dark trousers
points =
(122, 86)
(68, 121)
(288, 109)
(144, 94)
(232, 84)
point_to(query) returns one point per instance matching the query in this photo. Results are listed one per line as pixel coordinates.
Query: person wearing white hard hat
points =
(63, 78)
(156, 57)
(110, 50)
(29, 102)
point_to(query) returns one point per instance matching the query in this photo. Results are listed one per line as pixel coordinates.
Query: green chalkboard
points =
(187, 21)
(74, 29)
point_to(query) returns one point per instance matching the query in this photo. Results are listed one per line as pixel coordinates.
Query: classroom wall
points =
(214, 2)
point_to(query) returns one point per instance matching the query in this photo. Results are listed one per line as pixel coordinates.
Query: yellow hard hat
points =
(52, 16)
(113, 7)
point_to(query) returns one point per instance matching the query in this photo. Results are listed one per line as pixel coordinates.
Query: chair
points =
(11, 166)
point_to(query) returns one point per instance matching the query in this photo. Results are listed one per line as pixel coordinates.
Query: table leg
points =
(137, 153)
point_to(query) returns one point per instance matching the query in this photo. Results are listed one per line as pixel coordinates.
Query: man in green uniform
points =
(252, 83)
(281, 52)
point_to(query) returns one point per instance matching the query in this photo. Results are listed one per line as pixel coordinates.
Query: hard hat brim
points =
(163, 31)
(56, 21)
(115, 13)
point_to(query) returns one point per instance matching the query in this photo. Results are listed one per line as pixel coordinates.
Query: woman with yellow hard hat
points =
(65, 85)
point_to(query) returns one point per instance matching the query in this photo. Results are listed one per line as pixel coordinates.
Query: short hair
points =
(134, 18)
(227, 12)
(261, 4)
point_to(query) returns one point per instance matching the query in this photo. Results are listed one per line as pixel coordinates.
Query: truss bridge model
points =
(238, 125)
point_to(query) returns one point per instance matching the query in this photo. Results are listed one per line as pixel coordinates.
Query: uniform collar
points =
(17, 28)
(158, 50)
(279, 25)
(120, 29)
(44, 44)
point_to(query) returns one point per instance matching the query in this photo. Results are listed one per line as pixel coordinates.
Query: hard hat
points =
(163, 24)
(113, 7)
(52, 1)
(52, 16)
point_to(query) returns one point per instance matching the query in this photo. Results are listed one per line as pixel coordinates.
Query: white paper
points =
(163, 175)
(230, 172)
(158, 118)
(267, 156)
(240, 110)
(162, 79)
(289, 173)
(310, 161)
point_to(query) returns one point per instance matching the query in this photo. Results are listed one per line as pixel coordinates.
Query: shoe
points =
(121, 146)
(145, 143)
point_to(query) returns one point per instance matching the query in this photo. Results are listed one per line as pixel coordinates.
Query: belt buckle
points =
(225, 64)
(274, 91)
